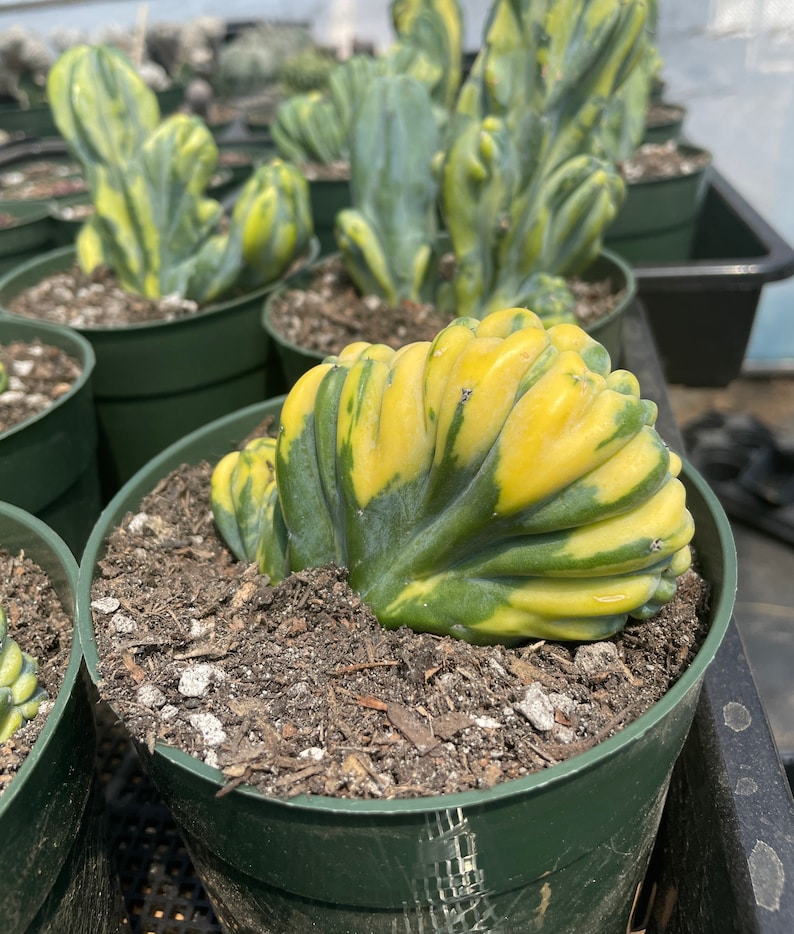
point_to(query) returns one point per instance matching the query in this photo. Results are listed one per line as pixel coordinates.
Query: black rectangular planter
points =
(701, 312)
(724, 857)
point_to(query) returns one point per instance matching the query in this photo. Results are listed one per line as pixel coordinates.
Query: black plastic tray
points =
(701, 312)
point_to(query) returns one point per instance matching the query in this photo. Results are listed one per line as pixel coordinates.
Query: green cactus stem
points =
(3, 377)
(387, 238)
(152, 222)
(20, 692)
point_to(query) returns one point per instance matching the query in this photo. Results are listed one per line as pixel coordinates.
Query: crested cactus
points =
(387, 238)
(498, 483)
(152, 222)
(513, 244)
(20, 693)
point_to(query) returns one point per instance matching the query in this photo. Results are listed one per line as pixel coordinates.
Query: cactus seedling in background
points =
(20, 693)
(152, 222)
(499, 483)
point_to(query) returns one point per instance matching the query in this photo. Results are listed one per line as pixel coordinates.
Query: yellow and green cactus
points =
(153, 223)
(3, 377)
(20, 693)
(388, 237)
(498, 483)
(434, 28)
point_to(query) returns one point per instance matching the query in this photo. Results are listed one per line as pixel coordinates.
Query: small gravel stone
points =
(105, 605)
(597, 658)
(151, 696)
(209, 726)
(537, 707)
(196, 680)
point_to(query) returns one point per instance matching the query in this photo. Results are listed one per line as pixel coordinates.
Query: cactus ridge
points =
(498, 483)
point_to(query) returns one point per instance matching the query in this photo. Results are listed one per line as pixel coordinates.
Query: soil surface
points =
(94, 300)
(653, 161)
(38, 375)
(39, 625)
(297, 689)
(41, 179)
(328, 313)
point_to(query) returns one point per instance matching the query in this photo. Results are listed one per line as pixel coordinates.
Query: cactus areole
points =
(20, 694)
(496, 484)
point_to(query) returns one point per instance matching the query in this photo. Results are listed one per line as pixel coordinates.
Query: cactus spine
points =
(20, 693)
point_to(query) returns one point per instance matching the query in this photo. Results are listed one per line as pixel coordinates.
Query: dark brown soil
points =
(296, 688)
(38, 375)
(653, 161)
(38, 623)
(328, 313)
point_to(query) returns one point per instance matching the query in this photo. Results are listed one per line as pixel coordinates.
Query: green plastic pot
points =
(154, 382)
(32, 233)
(48, 464)
(563, 850)
(662, 130)
(31, 121)
(658, 220)
(328, 197)
(55, 868)
(296, 360)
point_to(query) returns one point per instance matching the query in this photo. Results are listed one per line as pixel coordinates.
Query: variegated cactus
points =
(499, 483)
(307, 128)
(434, 29)
(3, 377)
(514, 244)
(525, 199)
(152, 222)
(388, 237)
(20, 693)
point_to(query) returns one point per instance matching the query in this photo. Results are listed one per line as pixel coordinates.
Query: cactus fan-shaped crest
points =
(499, 483)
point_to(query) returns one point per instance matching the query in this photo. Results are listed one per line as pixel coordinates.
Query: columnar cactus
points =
(497, 484)
(152, 222)
(388, 238)
(20, 693)
(525, 199)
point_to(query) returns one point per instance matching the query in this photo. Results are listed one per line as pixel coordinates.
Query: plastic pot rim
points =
(72, 673)
(156, 327)
(561, 772)
(625, 270)
(649, 184)
(82, 349)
